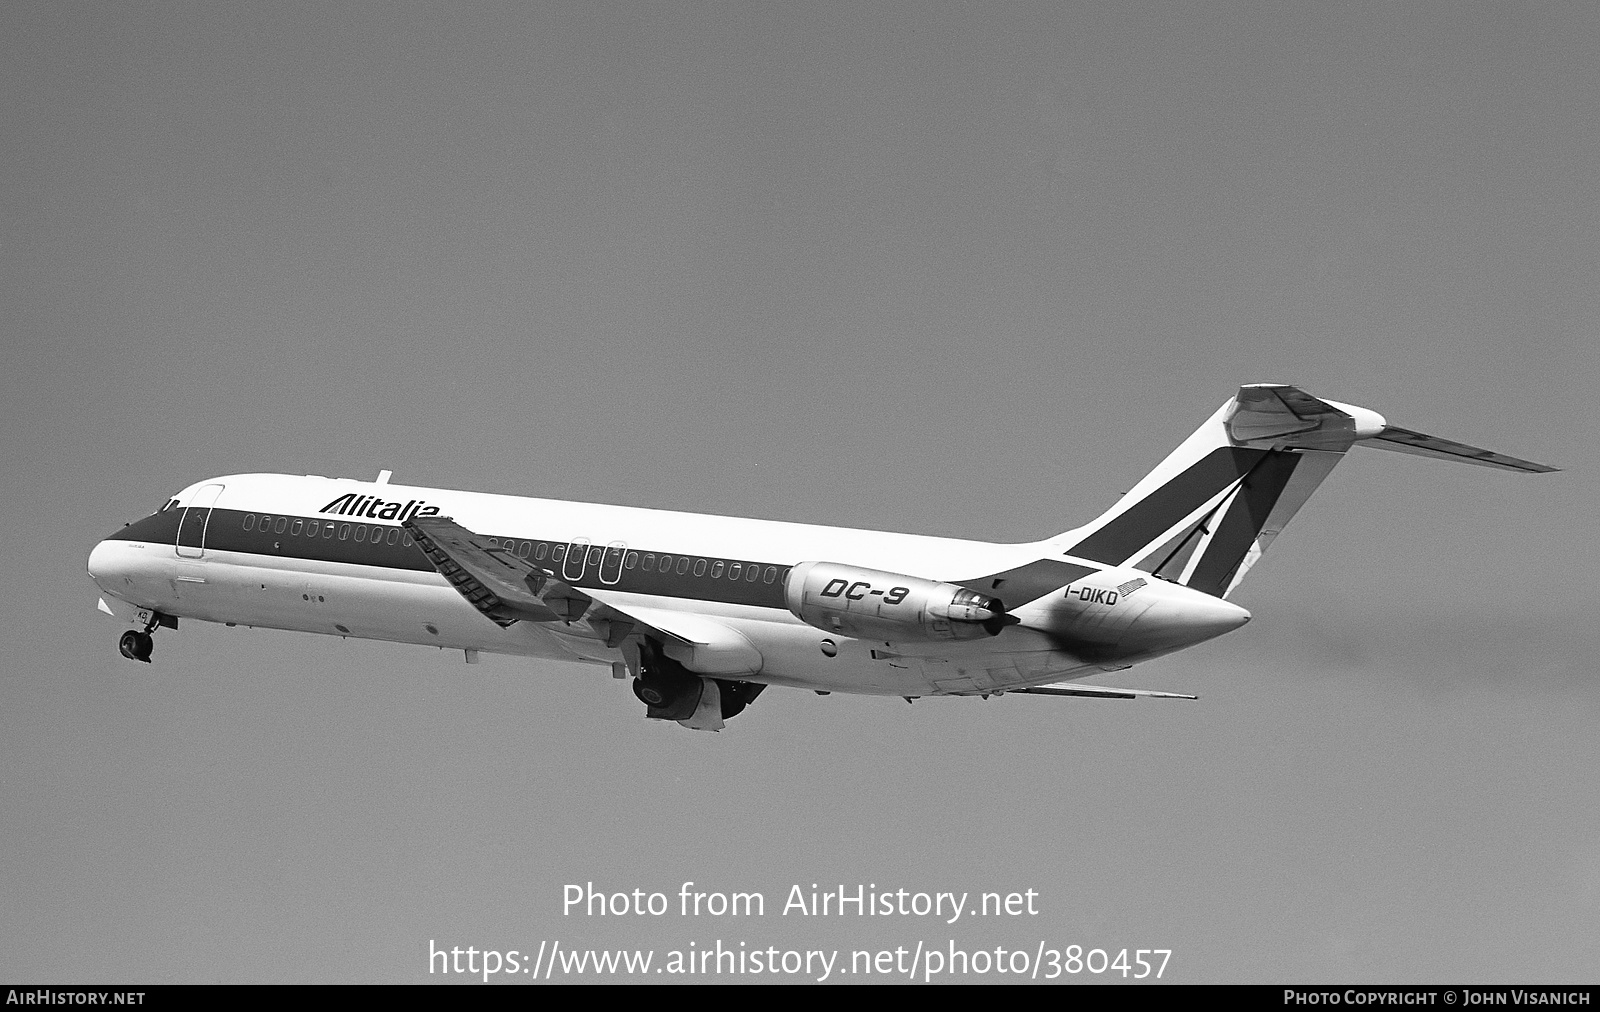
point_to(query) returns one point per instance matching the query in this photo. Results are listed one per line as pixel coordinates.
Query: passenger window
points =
(249, 521)
(327, 529)
(523, 549)
(542, 550)
(699, 567)
(394, 535)
(594, 556)
(283, 523)
(666, 564)
(405, 540)
(752, 574)
(716, 570)
(312, 527)
(683, 564)
(649, 562)
(770, 575)
(733, 570)
(299, 525)
(344, 531)
(361, 532)
(630, 560)
(557, 552)
(494, 542)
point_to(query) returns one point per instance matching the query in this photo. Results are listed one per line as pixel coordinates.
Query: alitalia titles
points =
(373, 508)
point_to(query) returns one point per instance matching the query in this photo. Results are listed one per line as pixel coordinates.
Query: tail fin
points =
(1207, 513)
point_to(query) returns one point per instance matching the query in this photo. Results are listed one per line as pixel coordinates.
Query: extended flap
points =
(1099, 691)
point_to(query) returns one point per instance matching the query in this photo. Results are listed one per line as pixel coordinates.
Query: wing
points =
(508, 589)
(503, 587)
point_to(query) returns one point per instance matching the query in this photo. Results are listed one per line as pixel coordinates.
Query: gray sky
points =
(963, 270)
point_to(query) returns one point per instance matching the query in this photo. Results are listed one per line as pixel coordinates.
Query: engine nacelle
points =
(874, 605)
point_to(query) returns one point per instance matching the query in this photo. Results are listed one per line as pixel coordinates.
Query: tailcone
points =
(1183, 617)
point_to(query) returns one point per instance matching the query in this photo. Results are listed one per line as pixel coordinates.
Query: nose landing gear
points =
(136, 645)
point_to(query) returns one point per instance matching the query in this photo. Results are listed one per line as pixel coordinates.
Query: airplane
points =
(702, 612)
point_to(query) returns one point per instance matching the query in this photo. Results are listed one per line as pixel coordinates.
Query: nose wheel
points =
(136, 645)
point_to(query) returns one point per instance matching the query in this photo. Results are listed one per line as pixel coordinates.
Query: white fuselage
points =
(328, 556)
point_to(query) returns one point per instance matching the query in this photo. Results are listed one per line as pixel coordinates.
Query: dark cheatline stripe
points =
(1243, 522)
(156, 529)
(224, 532)
(1016, 587)
(1147, 519)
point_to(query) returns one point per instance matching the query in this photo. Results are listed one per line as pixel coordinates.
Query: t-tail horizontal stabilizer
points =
(1286, 417)
(1393, 437)
(1206, 514)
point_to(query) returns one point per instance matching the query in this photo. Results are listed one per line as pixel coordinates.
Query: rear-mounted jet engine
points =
(872, 604)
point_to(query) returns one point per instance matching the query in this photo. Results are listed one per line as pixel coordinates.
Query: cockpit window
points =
(167, 505)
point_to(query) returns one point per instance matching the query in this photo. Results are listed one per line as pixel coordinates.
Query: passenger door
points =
(192, 525)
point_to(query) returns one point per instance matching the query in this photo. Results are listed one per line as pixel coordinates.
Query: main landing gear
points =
(670, 691)
(136, 645)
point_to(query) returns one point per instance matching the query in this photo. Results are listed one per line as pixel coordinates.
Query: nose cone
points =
(114, 566)
(100, 562)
